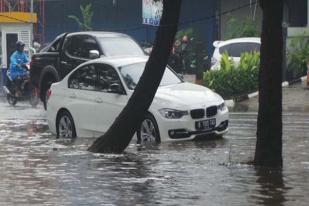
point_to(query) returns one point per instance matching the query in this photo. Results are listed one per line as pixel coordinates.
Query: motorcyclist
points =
(18, 70)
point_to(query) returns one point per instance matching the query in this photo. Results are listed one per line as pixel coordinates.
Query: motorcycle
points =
(26, 91)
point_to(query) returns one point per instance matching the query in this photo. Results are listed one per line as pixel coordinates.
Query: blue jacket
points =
(18, 58)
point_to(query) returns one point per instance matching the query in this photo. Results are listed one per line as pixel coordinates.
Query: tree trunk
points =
(268, 151)
(119, 135)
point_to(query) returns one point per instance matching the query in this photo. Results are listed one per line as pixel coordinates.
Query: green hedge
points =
(231, 80)
(297, 57)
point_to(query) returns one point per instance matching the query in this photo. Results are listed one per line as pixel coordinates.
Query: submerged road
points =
(37, 169)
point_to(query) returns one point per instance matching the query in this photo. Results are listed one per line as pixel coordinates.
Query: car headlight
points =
(172, 113)
(222, 107)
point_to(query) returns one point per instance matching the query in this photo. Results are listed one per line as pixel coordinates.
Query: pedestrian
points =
(175, 60)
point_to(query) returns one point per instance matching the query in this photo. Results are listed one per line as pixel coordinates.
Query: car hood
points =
(185, 95)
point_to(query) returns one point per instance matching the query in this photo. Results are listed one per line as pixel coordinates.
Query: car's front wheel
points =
(12, 100)
(148, 132)
(65, 125)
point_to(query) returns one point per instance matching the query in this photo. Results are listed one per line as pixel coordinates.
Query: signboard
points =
(152, 12)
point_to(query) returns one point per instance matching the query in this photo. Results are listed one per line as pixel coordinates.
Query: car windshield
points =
(120, 46)
(132, 73)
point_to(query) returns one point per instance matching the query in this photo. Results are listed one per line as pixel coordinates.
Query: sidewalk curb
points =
(232, 102)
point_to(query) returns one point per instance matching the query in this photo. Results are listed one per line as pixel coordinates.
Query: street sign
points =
(152, 12)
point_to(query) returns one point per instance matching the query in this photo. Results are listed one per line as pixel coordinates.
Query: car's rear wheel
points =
(148, 132)
(65, 125)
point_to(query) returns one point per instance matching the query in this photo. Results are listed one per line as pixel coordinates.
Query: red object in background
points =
(308, 73)
(49, 93)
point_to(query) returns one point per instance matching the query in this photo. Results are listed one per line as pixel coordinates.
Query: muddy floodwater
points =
(37, 169)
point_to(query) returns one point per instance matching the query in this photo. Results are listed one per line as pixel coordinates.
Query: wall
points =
(126, 16)
(295, 12)
(24, 32)
(241, 9)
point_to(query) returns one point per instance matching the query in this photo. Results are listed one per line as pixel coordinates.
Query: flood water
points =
(37, 169)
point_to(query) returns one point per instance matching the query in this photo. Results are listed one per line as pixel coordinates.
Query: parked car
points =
(69, 50)
(87, 101)
(234, 47)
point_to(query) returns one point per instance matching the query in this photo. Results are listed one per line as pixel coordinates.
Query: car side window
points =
(107, 77)
(251, 47)
(224, 49)
(80, 45)
(72, 46)
(84, 78)
(236, 49)
(55, 47)
(89, 43)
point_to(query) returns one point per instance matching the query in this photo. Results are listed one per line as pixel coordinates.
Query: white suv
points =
(234, 47)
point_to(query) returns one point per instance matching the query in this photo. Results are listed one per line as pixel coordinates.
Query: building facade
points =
(126, 16)
(295, 13)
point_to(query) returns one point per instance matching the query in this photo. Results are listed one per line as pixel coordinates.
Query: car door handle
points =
(73, 96)
(64, 62)
(98, 100)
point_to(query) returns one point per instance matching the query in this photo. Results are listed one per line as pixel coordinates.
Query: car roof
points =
(119, 61)
(237, 40)
(98, 34)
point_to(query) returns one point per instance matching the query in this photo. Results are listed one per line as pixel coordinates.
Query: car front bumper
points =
(184, 133)
(185, 129)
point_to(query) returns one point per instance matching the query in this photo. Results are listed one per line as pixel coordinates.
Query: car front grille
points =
(197, 113)
(211, 111)
(200, 113)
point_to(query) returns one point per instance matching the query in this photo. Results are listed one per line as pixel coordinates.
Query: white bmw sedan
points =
(88, 100)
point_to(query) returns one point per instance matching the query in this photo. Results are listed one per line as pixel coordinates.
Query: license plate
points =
(205, 124)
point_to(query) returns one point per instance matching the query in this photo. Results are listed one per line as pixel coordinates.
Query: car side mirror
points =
(94, 54)
(52, 49)
(116, 88)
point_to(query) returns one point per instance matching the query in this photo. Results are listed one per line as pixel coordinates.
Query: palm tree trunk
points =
(119, 135)
(268, 151)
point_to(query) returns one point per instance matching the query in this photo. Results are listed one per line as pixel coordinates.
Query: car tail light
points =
(48, 94)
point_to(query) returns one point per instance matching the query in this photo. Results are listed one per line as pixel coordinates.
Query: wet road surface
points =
(37, 169)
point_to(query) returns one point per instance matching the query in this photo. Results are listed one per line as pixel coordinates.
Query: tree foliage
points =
(236, 28)
(297, 57)
(87, 14)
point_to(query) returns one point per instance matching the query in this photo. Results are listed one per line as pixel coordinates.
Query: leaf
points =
(87, 14)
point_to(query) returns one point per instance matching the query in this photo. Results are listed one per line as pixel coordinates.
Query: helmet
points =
(19, 45)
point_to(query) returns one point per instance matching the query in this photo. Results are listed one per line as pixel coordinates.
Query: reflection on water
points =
(272, 189)
(38, 169)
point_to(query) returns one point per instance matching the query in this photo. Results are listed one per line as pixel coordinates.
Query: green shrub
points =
(297, 57)
(233, 80)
